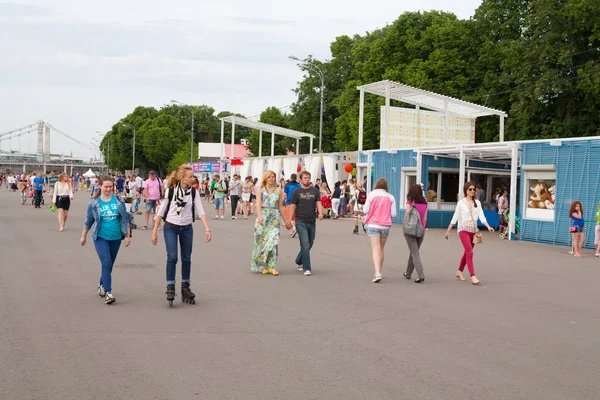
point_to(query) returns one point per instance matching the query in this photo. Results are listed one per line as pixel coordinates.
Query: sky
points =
(82, 66)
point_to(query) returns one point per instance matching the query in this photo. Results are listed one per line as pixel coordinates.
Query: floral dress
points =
(266, 236)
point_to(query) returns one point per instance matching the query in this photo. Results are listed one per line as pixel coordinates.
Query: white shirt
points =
(234, 187)
(139, 181)
(185, 217)
(466, 215)
(62, 189)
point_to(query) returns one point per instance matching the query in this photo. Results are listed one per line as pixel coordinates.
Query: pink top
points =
(421, 208)
(153, 186)
(380, 208)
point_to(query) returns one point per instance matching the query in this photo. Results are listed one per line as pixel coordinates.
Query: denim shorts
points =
(219, 203)
(381, 232)
(578, 229)
(150, 205)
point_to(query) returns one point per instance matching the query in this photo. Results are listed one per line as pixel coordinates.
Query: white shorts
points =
(358, 207)
(245, 196)
(597, 235)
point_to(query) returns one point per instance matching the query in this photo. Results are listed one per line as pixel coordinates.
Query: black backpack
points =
(362, 197)
(170, 197)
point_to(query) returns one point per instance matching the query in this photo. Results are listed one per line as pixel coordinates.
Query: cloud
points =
(260, 21)
(15, 10)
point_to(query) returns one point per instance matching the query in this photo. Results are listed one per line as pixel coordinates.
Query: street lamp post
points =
(133, 158)
(191, 110)
(304, 66)
(107, 158)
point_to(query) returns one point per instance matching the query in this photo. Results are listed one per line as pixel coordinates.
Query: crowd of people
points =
(297, 203)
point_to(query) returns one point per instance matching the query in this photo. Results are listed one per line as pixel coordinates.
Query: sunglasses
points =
(471, 189)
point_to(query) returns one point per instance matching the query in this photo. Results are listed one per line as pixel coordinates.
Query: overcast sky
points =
(83, 65)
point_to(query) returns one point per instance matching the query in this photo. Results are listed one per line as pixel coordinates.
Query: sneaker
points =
(222, 217)
(144, 228)
(299, 268)
(109, 298)
(377, 277)
(216, 217)
(307, 272)
(597, 254)
(101, 292)
(294, 233)
(233, 217)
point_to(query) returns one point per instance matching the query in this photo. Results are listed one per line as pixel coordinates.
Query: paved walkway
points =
(530, 331)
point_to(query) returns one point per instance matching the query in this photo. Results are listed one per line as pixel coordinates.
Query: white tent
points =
(89, 173)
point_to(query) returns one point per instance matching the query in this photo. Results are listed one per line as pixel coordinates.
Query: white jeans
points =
(335, 206)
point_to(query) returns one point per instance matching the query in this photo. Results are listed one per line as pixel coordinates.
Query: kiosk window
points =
(540, 198)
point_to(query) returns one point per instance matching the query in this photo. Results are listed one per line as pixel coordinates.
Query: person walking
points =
(379, 208)
(578, 227)
(360, 198)
(38, 185)
(247, 191)
(415, 199)
(62, 196)
(179, 209)
(289, 189)
(107, 215)
(234, 194)
(597, 233)
(152, 192)
(219, 191)
(467, 212)
(302, 205)
(335, 200)
(269, 212)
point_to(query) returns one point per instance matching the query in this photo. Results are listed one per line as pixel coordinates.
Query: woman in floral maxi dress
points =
(269, 211)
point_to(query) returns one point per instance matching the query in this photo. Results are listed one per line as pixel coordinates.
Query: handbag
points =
(573, 229)
(478, 236)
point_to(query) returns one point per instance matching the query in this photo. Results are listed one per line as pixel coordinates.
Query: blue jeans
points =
(306, 234)
(186, 241)
(136, 205)
(107, 252)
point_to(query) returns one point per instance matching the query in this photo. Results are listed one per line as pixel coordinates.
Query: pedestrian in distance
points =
(107, 216)
(289, 189)
(303, 203)
(61, 197)
(379, 208)
(179, 209)
(219, 190)
(577, 227)
(153, 191)
(416, 200)
(269, 213)
(234, 194)
(467, 212)
(38, 185)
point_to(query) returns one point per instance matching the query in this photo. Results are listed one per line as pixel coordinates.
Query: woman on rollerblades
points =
(179, 209)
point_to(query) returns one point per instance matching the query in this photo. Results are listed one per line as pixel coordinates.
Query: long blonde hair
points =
(63, 177)
(266, 176)
(176, 176)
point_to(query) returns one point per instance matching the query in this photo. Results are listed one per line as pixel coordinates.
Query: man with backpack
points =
(288, 190)
(219, 189)
(360, 198)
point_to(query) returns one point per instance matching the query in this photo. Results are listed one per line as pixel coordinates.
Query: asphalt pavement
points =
(529, 331)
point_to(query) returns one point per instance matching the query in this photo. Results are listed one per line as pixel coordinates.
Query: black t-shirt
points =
(336, 193)
(305, 201)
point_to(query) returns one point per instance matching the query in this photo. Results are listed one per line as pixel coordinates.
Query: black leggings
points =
(234, 203)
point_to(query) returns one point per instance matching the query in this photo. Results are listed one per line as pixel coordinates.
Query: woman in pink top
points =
(379, 209)
(415, 199)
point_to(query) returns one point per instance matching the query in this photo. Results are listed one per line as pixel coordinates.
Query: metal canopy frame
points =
(421, 98)
(261, 126)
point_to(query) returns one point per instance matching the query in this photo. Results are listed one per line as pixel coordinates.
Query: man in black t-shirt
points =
(303, 203)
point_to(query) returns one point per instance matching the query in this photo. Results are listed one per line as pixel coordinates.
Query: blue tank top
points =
(578, 221)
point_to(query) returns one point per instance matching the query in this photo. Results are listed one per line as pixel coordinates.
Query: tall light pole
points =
(191, 110)
(306, 66)
(107, 158)
(133, 160)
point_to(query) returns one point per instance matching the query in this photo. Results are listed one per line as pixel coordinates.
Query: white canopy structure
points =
(261, 126)
(420, 98)
(89, 173)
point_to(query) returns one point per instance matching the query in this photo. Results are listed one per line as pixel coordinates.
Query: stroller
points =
(504, 225)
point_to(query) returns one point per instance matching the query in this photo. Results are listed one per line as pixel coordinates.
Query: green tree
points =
(161, 139)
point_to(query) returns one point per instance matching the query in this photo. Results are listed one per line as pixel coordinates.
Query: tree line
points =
(537, 60)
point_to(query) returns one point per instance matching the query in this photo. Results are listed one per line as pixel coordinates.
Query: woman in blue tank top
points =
(578, 227)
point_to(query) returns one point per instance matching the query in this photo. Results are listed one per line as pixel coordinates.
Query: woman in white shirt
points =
(62, 196)
(468, 210)
(179, 209)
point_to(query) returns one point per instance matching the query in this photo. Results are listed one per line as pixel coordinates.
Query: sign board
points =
(409, 128)
(209, 166)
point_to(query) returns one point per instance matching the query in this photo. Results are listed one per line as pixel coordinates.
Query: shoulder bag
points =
(478, 236)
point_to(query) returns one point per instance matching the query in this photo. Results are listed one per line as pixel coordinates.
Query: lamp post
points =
(305, 66)
(107, 158)
(133, 158)
(191, 110)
